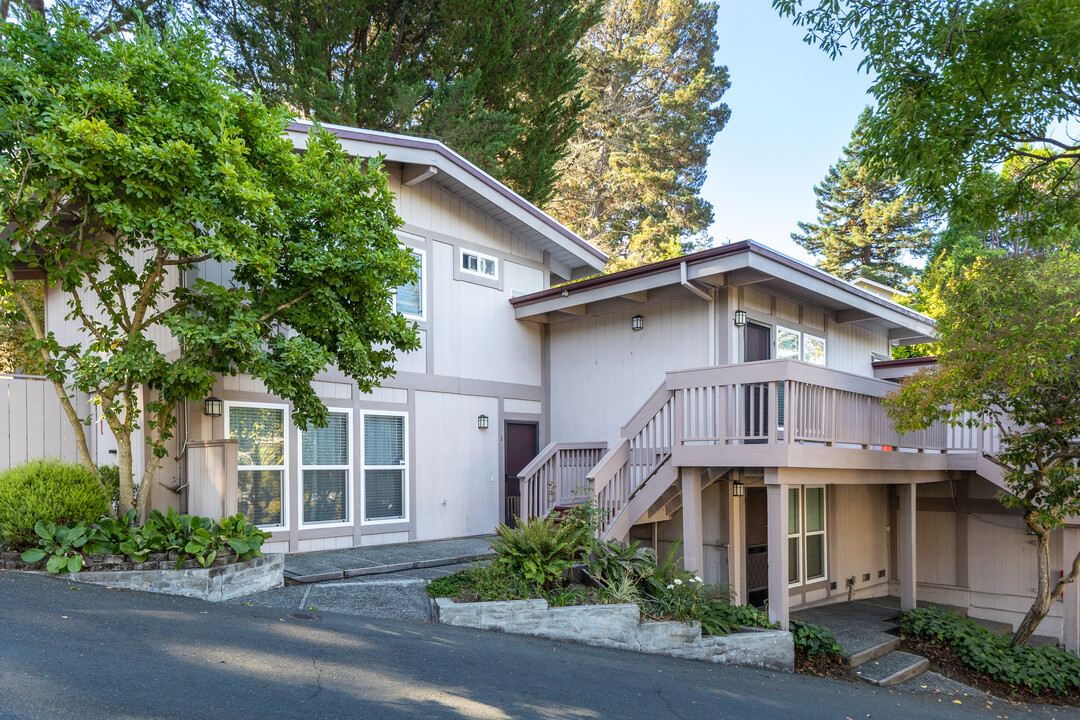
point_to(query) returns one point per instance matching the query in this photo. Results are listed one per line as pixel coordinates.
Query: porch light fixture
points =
(738, 489)
(740, 318)
(637, 322)
(212, 407)
(482, 422)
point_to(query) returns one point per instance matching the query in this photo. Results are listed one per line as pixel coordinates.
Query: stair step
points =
(861, 646)
(995, 626)
(892, 669)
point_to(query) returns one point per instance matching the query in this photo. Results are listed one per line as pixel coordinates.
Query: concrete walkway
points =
(330, 565)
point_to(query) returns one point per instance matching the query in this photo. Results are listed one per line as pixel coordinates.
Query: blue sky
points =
(792, 112)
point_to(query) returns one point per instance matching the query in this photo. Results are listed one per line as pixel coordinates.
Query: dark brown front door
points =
(756, 412)
(522, 445)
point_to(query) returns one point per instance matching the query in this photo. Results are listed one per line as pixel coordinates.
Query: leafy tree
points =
(127, 161)
(494, 79)
(15, 331)
(866, 220)
(1010, 358)
(631, 180)
(963, 86)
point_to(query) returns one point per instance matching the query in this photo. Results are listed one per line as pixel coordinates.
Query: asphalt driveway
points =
(91, 652)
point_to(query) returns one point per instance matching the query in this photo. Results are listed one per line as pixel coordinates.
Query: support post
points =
(906, 520)
(737, 546)
(779, 602)
(693, 549)
(1071, 625)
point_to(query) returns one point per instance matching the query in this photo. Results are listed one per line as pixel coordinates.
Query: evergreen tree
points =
(494, 79)
(630, 182)
(866, 220)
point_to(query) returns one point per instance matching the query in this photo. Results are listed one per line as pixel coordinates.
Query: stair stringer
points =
(641, 501)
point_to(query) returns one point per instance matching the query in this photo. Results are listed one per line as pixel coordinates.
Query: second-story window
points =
(795, 345)
(478, 264)
(409, 299)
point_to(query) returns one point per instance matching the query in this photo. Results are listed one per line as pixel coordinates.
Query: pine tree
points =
(494, 79)
(867, 222)
(631, 180)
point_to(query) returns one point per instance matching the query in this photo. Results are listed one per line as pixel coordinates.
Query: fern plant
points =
(541, 549)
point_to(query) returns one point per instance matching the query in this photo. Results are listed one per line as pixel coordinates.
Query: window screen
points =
(260, 435)
(325, 466)
(384, 467)
(409, 299)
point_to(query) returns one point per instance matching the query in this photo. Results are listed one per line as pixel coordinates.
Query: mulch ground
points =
(943, 660)
(823, 667)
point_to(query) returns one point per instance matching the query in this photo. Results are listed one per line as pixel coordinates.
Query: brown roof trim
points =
(704, 256)
(905, 362)
(418, 143)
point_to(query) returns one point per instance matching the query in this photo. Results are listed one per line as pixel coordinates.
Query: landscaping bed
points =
(964, 651)
(552, 578)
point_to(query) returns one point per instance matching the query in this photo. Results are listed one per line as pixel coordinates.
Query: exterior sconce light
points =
(482, 422)
(738, 489)
(212, 407)
(740, 318)
(637, 322)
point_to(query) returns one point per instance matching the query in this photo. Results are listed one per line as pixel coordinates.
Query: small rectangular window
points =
(260, 435)
(385, 467)
(474, 262)
(409, 299)
(813, 349)
(794, 536)
(325, 467)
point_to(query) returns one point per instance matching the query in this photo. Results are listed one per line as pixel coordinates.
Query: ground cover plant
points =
(184, 540)
(1005, 669)
(561, 560)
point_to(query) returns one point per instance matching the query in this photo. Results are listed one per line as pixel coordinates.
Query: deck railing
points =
(557, 476)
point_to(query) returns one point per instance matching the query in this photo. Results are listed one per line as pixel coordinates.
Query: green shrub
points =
(613, 562)
(814, 640)
(541, 549)
(49, 490)
(487, 582)
(1036, 669)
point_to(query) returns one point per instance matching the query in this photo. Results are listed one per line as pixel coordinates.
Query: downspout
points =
(707, 297)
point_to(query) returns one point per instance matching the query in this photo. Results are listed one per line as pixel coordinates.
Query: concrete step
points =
(861, 645)
(995, 626)
(891, 669)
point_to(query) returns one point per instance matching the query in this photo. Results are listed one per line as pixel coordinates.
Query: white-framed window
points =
(409, 299)
(261, 432)
(796, 345)
(384, 489)
(479, 264)
(326, 471)
(807, 556)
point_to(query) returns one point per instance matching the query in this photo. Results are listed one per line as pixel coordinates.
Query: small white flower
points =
(678, 581)
(670, 587)
(698, 580)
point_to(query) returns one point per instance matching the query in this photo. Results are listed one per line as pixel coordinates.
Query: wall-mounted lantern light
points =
(738, 489)
(637, 322)
(740, 318)
(482, 422)
(212, 407)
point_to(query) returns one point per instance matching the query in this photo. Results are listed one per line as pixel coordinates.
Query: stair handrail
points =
(538, 501)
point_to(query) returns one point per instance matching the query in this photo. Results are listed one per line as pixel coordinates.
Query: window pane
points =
(261, 435)
(787, 344)
(815, 557)
(384, 440)
(793, 560)
(383, 494)
(328, 445)
(487, 266)
(815, 509)
(813, 350)
(325, 495)
(468, 262)
(258, 496)
(410, 297)
(793, 513)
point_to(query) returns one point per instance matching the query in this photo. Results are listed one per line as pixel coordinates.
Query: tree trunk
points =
(123, 445)
(1043, 597)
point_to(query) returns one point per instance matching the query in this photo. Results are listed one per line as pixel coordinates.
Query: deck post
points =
(737, 546)
(779, 602)
(693, 549)
(1071, 600)
(906, 520)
